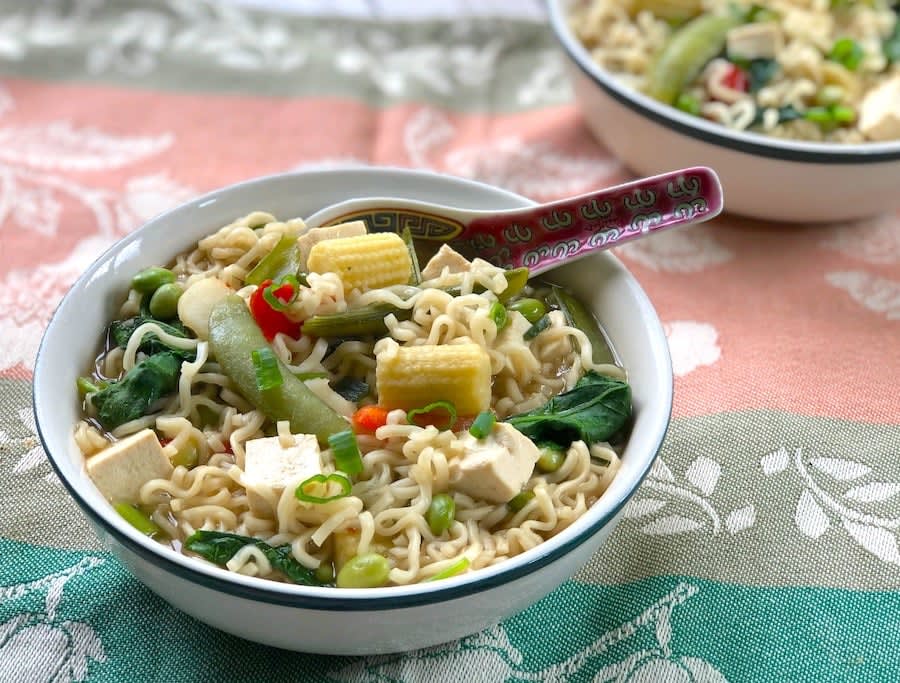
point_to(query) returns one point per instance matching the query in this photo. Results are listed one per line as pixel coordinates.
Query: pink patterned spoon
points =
(545, 235)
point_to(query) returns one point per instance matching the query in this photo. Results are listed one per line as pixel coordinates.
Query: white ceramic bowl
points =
(763, 177)
(330, 620)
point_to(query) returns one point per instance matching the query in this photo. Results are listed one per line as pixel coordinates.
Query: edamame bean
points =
(364, 571)
(441, 513)
(551, 460)
(151, 279)
(325, 573)
(532, 309)
(164, 302)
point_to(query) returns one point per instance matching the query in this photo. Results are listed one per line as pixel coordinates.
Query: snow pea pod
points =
(233, 337)
(687, 51)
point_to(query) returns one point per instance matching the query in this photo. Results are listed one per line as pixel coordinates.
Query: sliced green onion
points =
(415, 276)
(276, 303)
(847, 52)
(551, 459)
(520, 501)
(346, 452)
(268, 375)
(339, 479)
(437, 405)
(497, 313)
(842, 114)
(483, 424)
(533, 331)
(454, 569)
(818, 115)
(688, 104)
(86, 386)
(138, 519)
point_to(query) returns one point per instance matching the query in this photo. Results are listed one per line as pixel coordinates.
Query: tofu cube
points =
(879, 114)
(122, 468)
(445, 257)
(755, 41)
(494, 468)
(269, 469)
(313, 236)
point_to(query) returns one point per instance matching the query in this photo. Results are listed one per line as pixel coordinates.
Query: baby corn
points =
(363, 262)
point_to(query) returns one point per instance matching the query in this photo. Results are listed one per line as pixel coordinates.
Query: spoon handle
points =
(539, 237)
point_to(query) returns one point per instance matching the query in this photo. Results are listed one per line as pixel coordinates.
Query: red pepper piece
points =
(736, 79)
(271, 321)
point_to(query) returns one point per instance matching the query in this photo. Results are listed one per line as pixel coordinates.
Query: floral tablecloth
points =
(764, 544)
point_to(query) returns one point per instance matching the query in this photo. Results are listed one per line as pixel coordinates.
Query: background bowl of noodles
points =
(324, 619)
(764, 176)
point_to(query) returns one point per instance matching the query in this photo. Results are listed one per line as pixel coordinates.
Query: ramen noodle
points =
(816, 70)
(306, 405)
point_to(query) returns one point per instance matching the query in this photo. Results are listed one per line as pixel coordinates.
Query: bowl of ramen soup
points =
(291, 432)
(795, 103)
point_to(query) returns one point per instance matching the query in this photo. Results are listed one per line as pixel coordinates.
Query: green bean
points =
(551, 459)
(164, 302)
(687, 51)
(578, 316)
(364, 571)
(441, 513)
(138, 519)
(532, 309)
(284, 259)
(233, 336)
(358, 322)
(151, 279)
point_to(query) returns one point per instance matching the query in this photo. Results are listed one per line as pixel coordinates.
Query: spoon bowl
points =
(541, 237)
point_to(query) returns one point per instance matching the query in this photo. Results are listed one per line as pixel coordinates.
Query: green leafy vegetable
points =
(218, 547)
(120, 332)
(539, 326)
(141, 387)
(593, 410)
(352, 389)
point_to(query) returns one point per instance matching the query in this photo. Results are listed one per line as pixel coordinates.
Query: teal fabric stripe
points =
(89, 615)
(471, 64)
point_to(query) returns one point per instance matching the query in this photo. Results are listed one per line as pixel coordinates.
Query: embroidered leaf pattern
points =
(840, 469)
(873, 492)
(671, 524)
(692, 345)
(879, 295)
(704, 474)
(810, 518)
(775, 462)
(878, 541)
(641, 507)
(740, 519)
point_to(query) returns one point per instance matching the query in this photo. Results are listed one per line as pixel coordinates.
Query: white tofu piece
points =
(313, 236)
(494, 468)
(879, 114)
(269, 468)
(197, 301)
(760, 40)
(446, 257)
(122, 468)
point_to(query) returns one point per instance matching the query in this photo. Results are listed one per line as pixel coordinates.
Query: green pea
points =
(364, 571)
(551, 459)
(164, 302)
(151, 279)
(520, 501)
(187, 456)
(325, 573)
(532, 309)
(688, 104)
(441, 513)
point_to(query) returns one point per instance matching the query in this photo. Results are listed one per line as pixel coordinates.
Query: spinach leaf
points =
(351, 389)
(218, 547)
(593, 410)
(120, 332)
(891, 45)
(133, 395)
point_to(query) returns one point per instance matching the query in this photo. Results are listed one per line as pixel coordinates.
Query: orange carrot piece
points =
(369, 418)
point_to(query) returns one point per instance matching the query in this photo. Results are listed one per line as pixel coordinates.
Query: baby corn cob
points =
(363, 262)
(413, 376)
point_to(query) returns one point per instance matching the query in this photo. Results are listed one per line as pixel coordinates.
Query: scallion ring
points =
(454, 569)
(276, 303)
(339, 479)
(498, 314)
(483, 424)
(345, 451)
(268, 374)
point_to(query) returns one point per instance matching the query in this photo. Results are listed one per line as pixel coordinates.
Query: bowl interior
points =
(694, 126)
(73, 335)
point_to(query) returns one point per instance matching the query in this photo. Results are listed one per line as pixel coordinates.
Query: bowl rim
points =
(707, 131)
(321, 598)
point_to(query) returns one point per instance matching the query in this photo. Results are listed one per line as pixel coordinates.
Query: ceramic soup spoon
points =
(544, 235)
